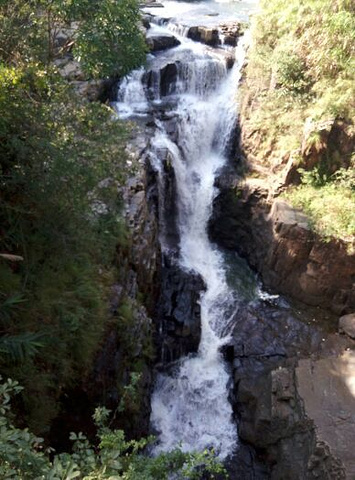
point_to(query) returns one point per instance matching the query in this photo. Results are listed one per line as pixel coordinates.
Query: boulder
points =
(231, 33)
(209, 36)
(347, 325)
(72, 71)
(157, 43)
(178, 312)
(151, 4)
(146, 19)
(91, 90)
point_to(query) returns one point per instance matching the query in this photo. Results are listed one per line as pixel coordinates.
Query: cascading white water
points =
(190, 404)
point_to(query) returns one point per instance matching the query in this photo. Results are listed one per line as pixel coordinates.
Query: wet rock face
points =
(166, 78)
(231, 32)
(163, 189)
(278, 243)
(141, 256)
(245, 465)
(178, 312)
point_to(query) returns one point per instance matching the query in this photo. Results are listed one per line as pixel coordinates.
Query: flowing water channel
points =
(195, 88)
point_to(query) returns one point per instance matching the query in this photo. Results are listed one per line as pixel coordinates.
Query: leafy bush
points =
(301, 65)
(329, 202)
(109, 41)
(22, 455)
(291, 73)
(61, 162)
(300, 71)
(106, 33)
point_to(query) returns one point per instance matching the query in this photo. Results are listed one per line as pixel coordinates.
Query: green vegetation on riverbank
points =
(22, 456)
(64, 249)
(62, 160)
(298, 105)
(329, 204)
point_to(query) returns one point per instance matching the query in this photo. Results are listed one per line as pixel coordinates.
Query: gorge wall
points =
(274, 352)
(279, 244)
(287, 361)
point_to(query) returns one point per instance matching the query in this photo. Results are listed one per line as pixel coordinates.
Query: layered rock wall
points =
(278, 243)
(290, 394)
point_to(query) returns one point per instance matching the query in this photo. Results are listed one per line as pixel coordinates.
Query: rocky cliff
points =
(280, 245)
(282, 350)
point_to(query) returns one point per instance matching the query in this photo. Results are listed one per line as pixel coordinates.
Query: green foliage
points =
(129, 396)
(61, 163)
(109, 41)
(107, 37)
(301, 69)
(20, 347)
(301, 65)
(22, 455)
(329, 201)
(291, 73)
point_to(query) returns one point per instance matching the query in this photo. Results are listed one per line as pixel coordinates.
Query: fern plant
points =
(21, 347)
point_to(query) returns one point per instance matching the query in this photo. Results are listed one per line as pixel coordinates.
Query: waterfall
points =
(190, 404)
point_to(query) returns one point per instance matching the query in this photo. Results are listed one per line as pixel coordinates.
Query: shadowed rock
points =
(161, 42)
(347, 325)
(178, 312)
(277, 241)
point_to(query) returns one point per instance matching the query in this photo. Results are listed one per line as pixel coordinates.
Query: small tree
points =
(107, 37)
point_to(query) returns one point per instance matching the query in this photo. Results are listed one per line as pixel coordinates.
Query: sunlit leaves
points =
(106, 35)
(109, 41)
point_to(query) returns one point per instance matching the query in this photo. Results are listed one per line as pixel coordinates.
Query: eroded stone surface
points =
(269, 341)
(231, 32)
(209, 36)
(327, 387)
(347, 325)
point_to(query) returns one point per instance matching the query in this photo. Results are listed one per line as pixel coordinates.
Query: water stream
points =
(190, 404)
